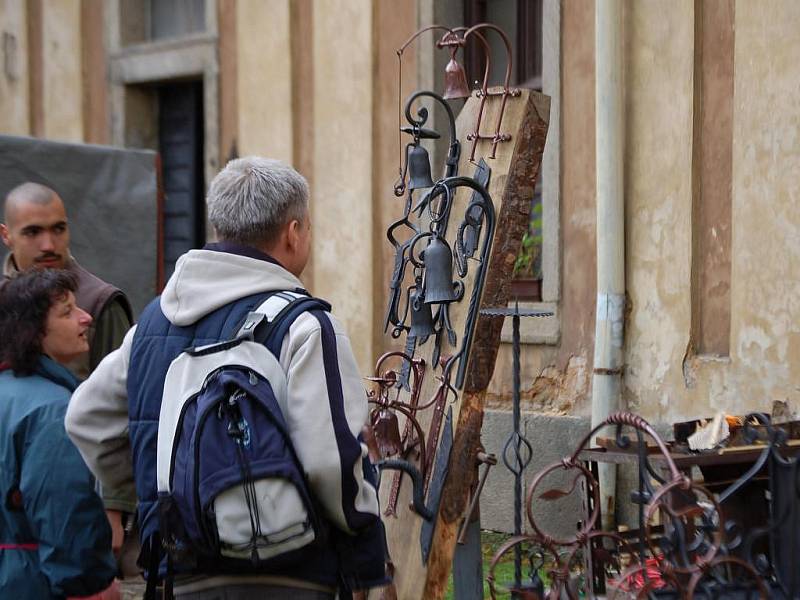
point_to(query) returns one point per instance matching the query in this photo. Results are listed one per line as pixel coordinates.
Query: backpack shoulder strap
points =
(270, 322)
(277, 329)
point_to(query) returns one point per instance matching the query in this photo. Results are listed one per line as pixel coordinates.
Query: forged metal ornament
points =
(421, 317)
(438, 258)
(402, 248)
(419, 169)
(457, 38)
(694, 552)
(455, 79)
(414, 440)
(416, 164)
(386, 430)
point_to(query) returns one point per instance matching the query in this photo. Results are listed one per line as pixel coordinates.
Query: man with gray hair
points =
(259, 211)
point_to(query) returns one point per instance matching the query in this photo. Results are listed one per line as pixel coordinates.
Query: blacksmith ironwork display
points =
(442, 243)
(685, 546)
(517, 451)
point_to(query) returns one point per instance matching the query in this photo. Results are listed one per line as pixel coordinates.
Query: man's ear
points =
(293, 233)
(4, 235)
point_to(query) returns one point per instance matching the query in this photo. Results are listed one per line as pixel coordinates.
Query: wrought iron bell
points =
(455, 81)
(421, 317)
(419, 169)
(438, 259)
(386, 430)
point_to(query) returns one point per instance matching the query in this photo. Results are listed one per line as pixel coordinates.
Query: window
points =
(158, 20)
(522, 22)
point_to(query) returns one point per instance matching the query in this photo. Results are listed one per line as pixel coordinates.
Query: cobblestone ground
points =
(133, 589)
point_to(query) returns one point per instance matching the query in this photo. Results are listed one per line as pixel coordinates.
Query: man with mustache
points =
(36, 232)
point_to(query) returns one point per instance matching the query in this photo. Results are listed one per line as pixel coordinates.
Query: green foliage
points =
(527, 264)
(504, 572)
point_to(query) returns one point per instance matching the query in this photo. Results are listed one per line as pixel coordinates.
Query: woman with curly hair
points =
(55, 540)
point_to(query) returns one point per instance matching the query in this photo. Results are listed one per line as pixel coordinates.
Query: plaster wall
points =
(61, 76)
(342, 196)
(765, 328)
(659, 82)
(394, 23)
(556, 378)
(264, 73)
(658, 188)
(664, 382)
(13, 68)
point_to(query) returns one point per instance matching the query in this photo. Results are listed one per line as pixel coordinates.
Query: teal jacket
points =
(55, 540)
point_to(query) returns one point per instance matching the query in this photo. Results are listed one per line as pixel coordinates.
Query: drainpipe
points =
(608, 357)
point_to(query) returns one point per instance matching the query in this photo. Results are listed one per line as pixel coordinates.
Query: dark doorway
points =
(180, 143)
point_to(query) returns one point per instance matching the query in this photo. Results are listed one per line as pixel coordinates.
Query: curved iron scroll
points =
(695, 551)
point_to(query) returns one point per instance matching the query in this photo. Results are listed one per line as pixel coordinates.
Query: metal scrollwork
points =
(411, 452)
(685, 547)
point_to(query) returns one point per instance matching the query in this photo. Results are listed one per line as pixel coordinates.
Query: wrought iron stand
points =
(517, 451)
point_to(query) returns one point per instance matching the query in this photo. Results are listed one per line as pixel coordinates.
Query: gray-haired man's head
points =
(253, 197)
(253, 200)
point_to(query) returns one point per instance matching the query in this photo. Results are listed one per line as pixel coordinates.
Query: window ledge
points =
(535, 330)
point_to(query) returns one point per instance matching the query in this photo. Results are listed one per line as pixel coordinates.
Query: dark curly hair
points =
(25, 301)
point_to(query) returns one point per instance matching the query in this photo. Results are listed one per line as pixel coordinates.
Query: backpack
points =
(231, 489)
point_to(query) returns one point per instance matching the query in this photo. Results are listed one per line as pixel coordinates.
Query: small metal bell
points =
(421, 317)
(438, 259)
(455, 80)
(419, 169)
(386, 430)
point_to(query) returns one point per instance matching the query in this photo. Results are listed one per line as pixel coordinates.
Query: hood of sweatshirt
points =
(205, 280)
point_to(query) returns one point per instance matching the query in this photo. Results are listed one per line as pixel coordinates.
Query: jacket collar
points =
(241, 250)
(57, 373)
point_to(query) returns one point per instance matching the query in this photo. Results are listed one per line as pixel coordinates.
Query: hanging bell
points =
(419, 169)
(438, 259)
(455, 80)
(421, 317)
(386, 430)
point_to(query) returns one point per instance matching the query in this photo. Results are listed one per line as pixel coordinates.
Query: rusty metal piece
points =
(688, 552)
(455, 79)
(386, 431)
(439, 403)
(454, 40)
(497, 137)
(481, 458)
(372, 446)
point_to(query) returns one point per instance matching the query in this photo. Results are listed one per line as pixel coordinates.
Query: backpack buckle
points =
(248, 329)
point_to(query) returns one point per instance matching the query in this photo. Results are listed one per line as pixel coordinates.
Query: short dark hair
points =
(25, 301)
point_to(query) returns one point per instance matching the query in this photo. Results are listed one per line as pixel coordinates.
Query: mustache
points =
(47, 256)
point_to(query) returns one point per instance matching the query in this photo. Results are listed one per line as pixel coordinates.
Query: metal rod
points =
(518, 473)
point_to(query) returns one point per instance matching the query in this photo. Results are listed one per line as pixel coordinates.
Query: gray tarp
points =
(110, 196)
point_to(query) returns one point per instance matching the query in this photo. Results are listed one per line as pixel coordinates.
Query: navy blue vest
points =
(156, 343)
(358, 560)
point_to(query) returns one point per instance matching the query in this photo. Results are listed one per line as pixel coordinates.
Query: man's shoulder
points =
(86, 277)
(94, 294)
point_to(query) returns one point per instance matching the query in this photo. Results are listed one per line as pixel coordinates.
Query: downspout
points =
(609, 334)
